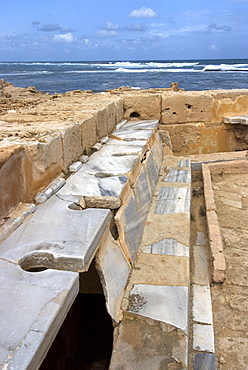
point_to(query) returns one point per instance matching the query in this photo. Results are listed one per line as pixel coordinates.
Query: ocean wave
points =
(226, 67)
(26, 73)
(141, 65)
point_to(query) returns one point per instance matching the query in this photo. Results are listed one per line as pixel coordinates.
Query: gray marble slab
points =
(169, 247)
(130, 143)
(168, 304)
(131, 217)
(57, 237)
(200, 238)
(204, 361)
(143, 125)
(202, 305)
(33, 308)
(114, 271)
(203, 338)
(178, 176)
(201, 273)
(164, 207)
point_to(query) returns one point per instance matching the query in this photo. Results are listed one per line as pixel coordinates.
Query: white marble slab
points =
(102, 165)
(33, 307)
(169, 247)
(166, 192)
(123, 150)
(178, 176)
(203, 338)
(184, 163)
(114, 271)
(57, 237)
(143, 125)
(128, 134)
(202, 305)
(83, 184)
(240, 119)
(168, 304)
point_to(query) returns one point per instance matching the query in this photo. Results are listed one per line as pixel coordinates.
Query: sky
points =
(80, 30)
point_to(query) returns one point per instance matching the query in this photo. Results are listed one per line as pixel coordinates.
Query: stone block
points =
(203, 338)
(208, 190)
(186, 106)
(89, 135)
(41, 242)
(142, 106)
(112, 112)
(114, 271)
(202, 305)
(168, 304)
(72, 144)
(12, 182)
(156, 269)
(119, 110)
(35, 305)
(230, 104)
(142, 343)
(174, 225)
(101, 123)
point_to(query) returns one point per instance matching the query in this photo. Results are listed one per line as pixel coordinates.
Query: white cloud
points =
(110, 26)
(67, 37)
(214, 47)
(106, 33)
(143, 12)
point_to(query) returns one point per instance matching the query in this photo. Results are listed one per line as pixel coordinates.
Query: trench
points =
(85, 339)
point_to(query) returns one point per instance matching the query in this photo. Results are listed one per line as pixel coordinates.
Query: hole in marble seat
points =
(37, 261)
(75, 207)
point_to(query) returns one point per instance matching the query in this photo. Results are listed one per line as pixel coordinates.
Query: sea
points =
(59, 77)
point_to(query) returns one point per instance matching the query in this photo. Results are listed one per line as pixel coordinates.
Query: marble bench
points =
(61, 238)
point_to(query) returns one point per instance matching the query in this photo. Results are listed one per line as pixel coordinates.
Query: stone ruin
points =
(95, 195)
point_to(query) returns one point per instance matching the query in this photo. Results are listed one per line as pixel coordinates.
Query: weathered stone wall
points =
(51, 133)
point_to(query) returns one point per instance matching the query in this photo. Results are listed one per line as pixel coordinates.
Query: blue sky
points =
(56, 30)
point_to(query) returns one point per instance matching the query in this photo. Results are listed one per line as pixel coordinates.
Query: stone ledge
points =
(217, 258)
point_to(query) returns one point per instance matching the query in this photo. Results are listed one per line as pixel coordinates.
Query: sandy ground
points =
(229, 300)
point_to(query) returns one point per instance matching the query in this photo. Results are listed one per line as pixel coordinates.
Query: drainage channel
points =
(85, 339)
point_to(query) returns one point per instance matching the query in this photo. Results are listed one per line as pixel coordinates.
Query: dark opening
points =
(134, 114)
(85, 339)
